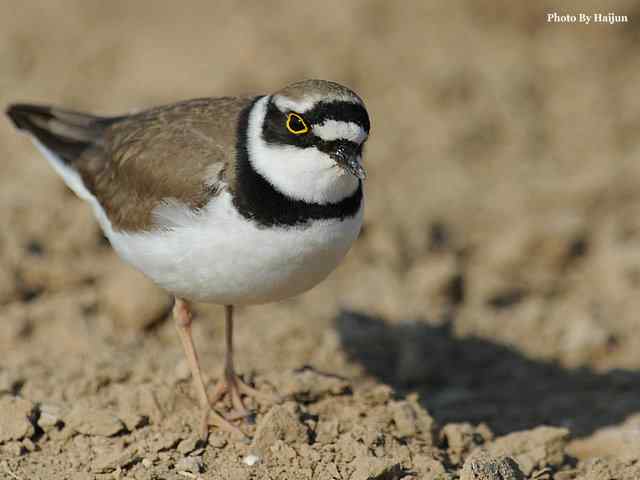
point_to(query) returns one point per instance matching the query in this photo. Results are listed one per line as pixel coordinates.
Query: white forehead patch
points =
(334, 129)
(286, 104)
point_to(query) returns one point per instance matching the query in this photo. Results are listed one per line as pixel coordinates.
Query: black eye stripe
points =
(275, 129)
(340, 111)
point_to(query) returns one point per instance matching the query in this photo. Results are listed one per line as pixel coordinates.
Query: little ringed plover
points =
(230, 200)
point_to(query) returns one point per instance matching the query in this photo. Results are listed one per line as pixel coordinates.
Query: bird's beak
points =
(346, 156)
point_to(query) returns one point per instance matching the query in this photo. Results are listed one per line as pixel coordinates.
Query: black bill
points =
(346, 155)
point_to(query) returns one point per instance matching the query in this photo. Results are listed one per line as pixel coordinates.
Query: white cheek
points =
(302, 174)
(308, 175)
(333, 130)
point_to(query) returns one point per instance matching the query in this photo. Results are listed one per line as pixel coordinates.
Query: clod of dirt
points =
(481, 465)
(411, 419)
(50, 416)
(190, 464)
(427, 468)
(309, 385)
(217, 440)
(134, 312)
(372, 468)
(15, 423)
(12, 449)
(279, 424)
(132, 420)
(93, 422)
(188, 445)
(610, 469)
(164, 442)
(533, 449)
(613, 441)
(462, 438)
(110, 461)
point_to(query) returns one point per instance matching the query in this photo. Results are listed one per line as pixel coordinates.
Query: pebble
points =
(251, 459)
(190, 464)
(480, 465)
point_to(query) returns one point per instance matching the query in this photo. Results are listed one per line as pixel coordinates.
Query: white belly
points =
(218, 256)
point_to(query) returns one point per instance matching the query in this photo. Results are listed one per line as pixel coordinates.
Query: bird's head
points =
(307, 140)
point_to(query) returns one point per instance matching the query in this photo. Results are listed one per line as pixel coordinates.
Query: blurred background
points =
(498, 273)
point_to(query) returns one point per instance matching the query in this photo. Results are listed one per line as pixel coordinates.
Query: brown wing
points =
(132, 163)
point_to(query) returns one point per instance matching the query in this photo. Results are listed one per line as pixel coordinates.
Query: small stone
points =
(147, 463)
(190, 464)
(251, 460)
(15, 423)
(480, 465)
(94, 422)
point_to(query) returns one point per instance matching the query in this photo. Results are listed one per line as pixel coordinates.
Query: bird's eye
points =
(296, 124)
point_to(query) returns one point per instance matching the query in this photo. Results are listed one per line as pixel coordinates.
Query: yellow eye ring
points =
(300, 125)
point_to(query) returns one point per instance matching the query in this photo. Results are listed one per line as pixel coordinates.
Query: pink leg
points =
(182, 316)
(230, 383)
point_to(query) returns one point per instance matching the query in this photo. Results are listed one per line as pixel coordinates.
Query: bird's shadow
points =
(475, 380)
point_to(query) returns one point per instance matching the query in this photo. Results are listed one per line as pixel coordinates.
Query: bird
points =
(236, 200)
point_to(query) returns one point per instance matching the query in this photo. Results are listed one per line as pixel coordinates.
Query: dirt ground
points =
(486, 324)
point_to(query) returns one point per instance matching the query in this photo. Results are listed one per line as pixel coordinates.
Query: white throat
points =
(301, 174)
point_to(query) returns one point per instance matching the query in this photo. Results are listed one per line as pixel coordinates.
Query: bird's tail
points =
(65, 133)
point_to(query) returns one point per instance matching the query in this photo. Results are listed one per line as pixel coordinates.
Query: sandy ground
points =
(485, 325)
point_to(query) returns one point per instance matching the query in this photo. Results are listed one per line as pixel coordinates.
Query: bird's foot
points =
(232, 386)
(212, 417)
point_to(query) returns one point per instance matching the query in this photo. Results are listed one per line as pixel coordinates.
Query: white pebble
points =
(251, 459)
